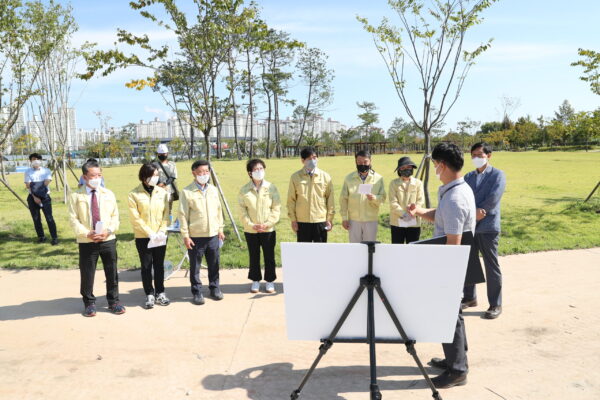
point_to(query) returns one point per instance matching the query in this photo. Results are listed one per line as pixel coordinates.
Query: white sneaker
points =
(162, 299)
(270, 287)
(255, 287)
(149, 301)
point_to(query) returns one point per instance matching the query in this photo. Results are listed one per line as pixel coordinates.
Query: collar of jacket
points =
(315, 172)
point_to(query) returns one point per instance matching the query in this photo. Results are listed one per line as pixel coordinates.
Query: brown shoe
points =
(493, 312)
(464, 304)
(448, 380)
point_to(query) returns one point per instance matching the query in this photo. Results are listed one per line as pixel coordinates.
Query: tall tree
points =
(368, 118)
(590, 61)
(29, 33)
(195, 68)
(432, 40)
(317, 78)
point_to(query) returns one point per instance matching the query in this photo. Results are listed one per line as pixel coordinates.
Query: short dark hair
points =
(91, 159)
(307, 152)
(487, 149)
(146, 171)
(199, 163)
(252, 163)
(450, 154)
(36, 156)
(89, 164)
(363, 153)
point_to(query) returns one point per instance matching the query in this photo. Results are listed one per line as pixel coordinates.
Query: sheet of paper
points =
(365, 188)
(99, 227)
(423, 284)
(407, 223)
(160, 240)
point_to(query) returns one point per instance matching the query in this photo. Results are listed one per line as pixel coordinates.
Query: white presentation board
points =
(423, 283)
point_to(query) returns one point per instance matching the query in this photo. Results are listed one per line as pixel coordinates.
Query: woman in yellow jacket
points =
(260, 207)
(149, 214)
(404, 191)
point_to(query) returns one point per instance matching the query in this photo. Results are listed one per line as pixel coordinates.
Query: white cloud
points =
(162, 114)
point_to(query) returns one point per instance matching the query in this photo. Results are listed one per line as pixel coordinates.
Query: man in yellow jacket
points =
(201, 224)
(310, 200)
(94, 217)
(362, 194)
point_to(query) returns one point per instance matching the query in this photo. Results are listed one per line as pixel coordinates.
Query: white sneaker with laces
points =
(162, 299)
(270, 287)
(149, 301)
(255, 287)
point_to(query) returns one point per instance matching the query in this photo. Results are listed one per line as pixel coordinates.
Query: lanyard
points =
(450, 188)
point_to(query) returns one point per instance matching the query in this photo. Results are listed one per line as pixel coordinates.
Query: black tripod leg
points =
(410, 344)
(327, 343)
(374, 387)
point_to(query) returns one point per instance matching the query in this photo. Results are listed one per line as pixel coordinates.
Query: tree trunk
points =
(427, 162)
(277, 132)
(206, 133)
(250, 104)
(268, 148)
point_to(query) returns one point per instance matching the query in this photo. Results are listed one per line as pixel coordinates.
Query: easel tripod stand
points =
(371, 283)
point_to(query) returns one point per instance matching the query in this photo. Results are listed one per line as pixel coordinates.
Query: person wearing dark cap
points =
(405, 190)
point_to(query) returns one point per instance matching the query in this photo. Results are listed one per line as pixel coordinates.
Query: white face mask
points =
(479, 162)
(259, 174)
(202, 179)
(310, 164)
(95, 183)
(152, 181)
(36, 163)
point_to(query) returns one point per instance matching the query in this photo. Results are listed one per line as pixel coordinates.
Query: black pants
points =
(312, 232)
(487, 244)
(34, 209)
(255, 241)
(88, 259)
(151, 260)
(456, 352)
(209, 247)
(405, 235)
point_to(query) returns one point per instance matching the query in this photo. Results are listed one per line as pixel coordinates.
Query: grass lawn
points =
(539, 209)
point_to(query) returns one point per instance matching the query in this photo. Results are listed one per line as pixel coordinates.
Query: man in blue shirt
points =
(37, 180)
(488, 185)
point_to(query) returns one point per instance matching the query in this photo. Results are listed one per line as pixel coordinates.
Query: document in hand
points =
(365, 188)
(99, 228)
(160, 239)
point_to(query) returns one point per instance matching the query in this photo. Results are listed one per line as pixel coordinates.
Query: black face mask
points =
(405, 172)
(162, 157)
(363, 168)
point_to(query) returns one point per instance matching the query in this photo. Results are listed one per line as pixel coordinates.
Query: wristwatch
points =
(109, 232)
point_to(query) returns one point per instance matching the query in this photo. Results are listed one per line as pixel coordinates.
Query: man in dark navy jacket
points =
(488, 185)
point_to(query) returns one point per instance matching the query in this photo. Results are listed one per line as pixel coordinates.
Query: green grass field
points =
(539, 208)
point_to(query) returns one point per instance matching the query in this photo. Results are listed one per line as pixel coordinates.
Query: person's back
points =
(455, 213)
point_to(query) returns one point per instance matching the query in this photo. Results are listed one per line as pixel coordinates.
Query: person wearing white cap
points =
(168, 174)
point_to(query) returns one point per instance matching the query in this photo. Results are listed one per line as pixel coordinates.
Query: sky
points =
(534, 43)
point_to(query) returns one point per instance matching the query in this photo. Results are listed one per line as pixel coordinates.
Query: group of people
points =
(465, 204)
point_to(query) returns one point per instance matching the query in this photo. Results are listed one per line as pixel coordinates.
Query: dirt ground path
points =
(546, 344)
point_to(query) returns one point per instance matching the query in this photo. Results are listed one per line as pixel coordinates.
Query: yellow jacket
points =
(262, 207)
(148, 214)
(357, 207)
(80, 213)
(310, 199)
(200, 213)
(402, 194)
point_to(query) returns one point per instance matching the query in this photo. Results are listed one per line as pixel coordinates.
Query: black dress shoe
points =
(42, 240)
(439, 363)
(54, 241)
(468, 303)
(493, 312)
(216, 294)
(198, 299)
(448, 380)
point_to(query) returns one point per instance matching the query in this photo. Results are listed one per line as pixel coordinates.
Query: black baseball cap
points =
(405, 161)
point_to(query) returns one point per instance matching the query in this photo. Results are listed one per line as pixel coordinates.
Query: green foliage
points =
(591, 63)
